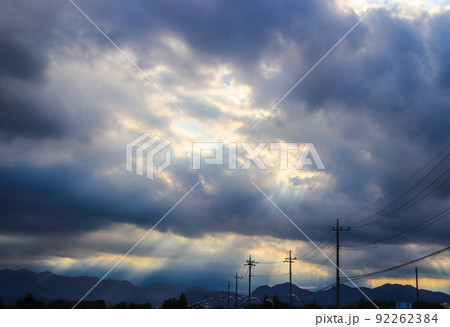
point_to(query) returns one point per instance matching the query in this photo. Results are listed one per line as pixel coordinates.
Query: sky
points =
(375, 109)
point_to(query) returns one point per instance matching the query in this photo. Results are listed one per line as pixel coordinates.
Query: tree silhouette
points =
(121, 305)
(60, 304)
(96, 304)
(276, 302)
(182, 302)
(30, 303)
(266, 304)
(173, 303)
(312, 305)
(170, 303)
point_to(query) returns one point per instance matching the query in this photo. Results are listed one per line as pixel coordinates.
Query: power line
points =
(271, 275)
(318, 266)
(399, 186)
(269, 262)
(290, 260)
(243, 285)
(402, 196)
(319, 290)
(326, 247)
(380, 271)
(338, 229)
(406, 233)
(399, 211)
(236, 278)
(250, 263)
(228, 295)
(395, 267)
(417, 287)
(319, 245)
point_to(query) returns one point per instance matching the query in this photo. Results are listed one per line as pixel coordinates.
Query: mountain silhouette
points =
(350, 295)
(46, 286)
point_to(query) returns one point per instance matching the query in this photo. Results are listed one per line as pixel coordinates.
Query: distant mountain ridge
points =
(46, 286)
(350, 295)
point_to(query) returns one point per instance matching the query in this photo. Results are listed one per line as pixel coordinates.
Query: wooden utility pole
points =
(417, 287)
(290, 260)
(250, 263)
(338, 229)
(236, 278)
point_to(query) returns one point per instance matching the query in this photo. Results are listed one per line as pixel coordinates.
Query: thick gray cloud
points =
(376, 109)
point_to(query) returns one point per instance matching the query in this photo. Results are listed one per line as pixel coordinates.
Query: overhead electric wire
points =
(403, 195)
(269, 262)
(243, 285)
(315, 251)
(399, 186)
(319, 244)
(408, 232)
(271, 275)
(379, 271)
(319, 290)
(395, 267)
(317, 267)
(398, 210)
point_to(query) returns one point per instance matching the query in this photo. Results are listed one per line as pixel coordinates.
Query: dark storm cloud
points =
(21, 115)
(216, 28)
(67, 199)
(237, 33)
(376, 110)
(380, 96)
(384, 66)
(31, 34)
(25, 40)
(17, 60)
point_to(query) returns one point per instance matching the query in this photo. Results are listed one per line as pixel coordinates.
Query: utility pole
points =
(236, 278)
(338, 229)
(222, 299)
(250, 263)
(228, 295)
(290, 260)
(417, 287)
